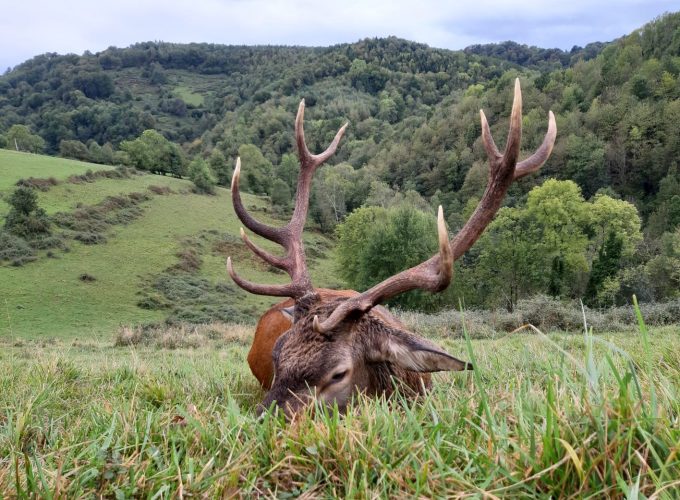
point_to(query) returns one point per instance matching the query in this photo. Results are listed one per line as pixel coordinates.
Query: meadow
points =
(91, 405)
(566, 415)
(48, 298)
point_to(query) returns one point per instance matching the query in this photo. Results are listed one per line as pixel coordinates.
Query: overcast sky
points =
(31, 27)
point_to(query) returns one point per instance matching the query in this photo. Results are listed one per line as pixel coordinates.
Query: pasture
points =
(564, 415)
(48, 298)
(87, 408)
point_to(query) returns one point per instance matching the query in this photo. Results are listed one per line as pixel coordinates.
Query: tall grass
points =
(553, 416)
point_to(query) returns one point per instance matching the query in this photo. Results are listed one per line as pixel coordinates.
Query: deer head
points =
(339, 346)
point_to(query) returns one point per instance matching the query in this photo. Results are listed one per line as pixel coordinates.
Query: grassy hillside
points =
(92, 289)
(16, 165)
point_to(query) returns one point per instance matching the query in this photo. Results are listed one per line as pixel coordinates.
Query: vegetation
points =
(85, 414)
(118, 254)
(591, 416)
(375, 243)
(413, 133)
(201, 176)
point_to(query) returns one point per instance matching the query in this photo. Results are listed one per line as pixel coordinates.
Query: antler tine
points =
(502, 172)
(487, 139)
(535, 161)
(288, 290)
(263, 254)
(307, 159)
(269, 232)
(308, 165)
(512, 146)
(433, 275)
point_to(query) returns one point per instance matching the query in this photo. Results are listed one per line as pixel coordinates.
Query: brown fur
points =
(274, 323)
(305, 361)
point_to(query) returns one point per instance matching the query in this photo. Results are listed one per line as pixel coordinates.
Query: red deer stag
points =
(340, 343)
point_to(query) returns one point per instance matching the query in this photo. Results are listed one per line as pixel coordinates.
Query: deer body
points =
(342, 343)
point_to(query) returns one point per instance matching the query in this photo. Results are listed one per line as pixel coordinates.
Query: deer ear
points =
(289, 313)
(412, 352)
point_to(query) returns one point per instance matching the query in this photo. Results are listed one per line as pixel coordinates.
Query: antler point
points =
(236, 174)
(316, 324)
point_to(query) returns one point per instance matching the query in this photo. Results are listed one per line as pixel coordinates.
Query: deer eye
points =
(337, 377)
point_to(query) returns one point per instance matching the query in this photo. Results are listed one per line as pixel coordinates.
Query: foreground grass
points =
(568, 415)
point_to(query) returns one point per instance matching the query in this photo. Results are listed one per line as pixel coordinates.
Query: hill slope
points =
(92, 289)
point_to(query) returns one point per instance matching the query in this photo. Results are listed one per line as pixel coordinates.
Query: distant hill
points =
(536, 57)
(395, 93)
(413, 114)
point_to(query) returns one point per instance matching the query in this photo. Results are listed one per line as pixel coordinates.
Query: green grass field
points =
(46, 298)
(564, 416)
(16, 165)
(188, 95)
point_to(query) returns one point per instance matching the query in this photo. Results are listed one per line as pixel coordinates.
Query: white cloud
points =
(36, 26)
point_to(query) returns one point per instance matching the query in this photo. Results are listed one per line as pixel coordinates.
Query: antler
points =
(290, 235)
(435, 274)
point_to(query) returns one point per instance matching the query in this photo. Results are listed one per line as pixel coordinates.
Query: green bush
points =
(25, 218)
(14, 247)
(376, 243)
(200, 175)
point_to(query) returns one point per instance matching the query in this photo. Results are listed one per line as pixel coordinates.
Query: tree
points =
(74, 149)
(664, 269)
(331, 190)
(281, 196)
(220, 167)
(288, 170)
(667, 215)
(604, 268)
(608, 216)
(376, 243)
(25, 218)
(257, 173)
(353, 234)
(585, 163)
(558, 217)
(19, 136)
(506, 270)
(200, 175)
(154, 153)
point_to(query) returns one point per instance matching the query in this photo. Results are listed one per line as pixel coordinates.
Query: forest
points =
(599, 222)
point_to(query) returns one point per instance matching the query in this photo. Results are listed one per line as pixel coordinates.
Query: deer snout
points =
(288, 402)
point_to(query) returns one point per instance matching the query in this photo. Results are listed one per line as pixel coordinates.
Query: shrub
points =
(20, 261)
(200, 175)
(13, 247)
(189, 261)
(183, 335)
(545, 313)
(25, 218)
(90, 238)
(46, 242)
(160, 190)
(39, 184)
